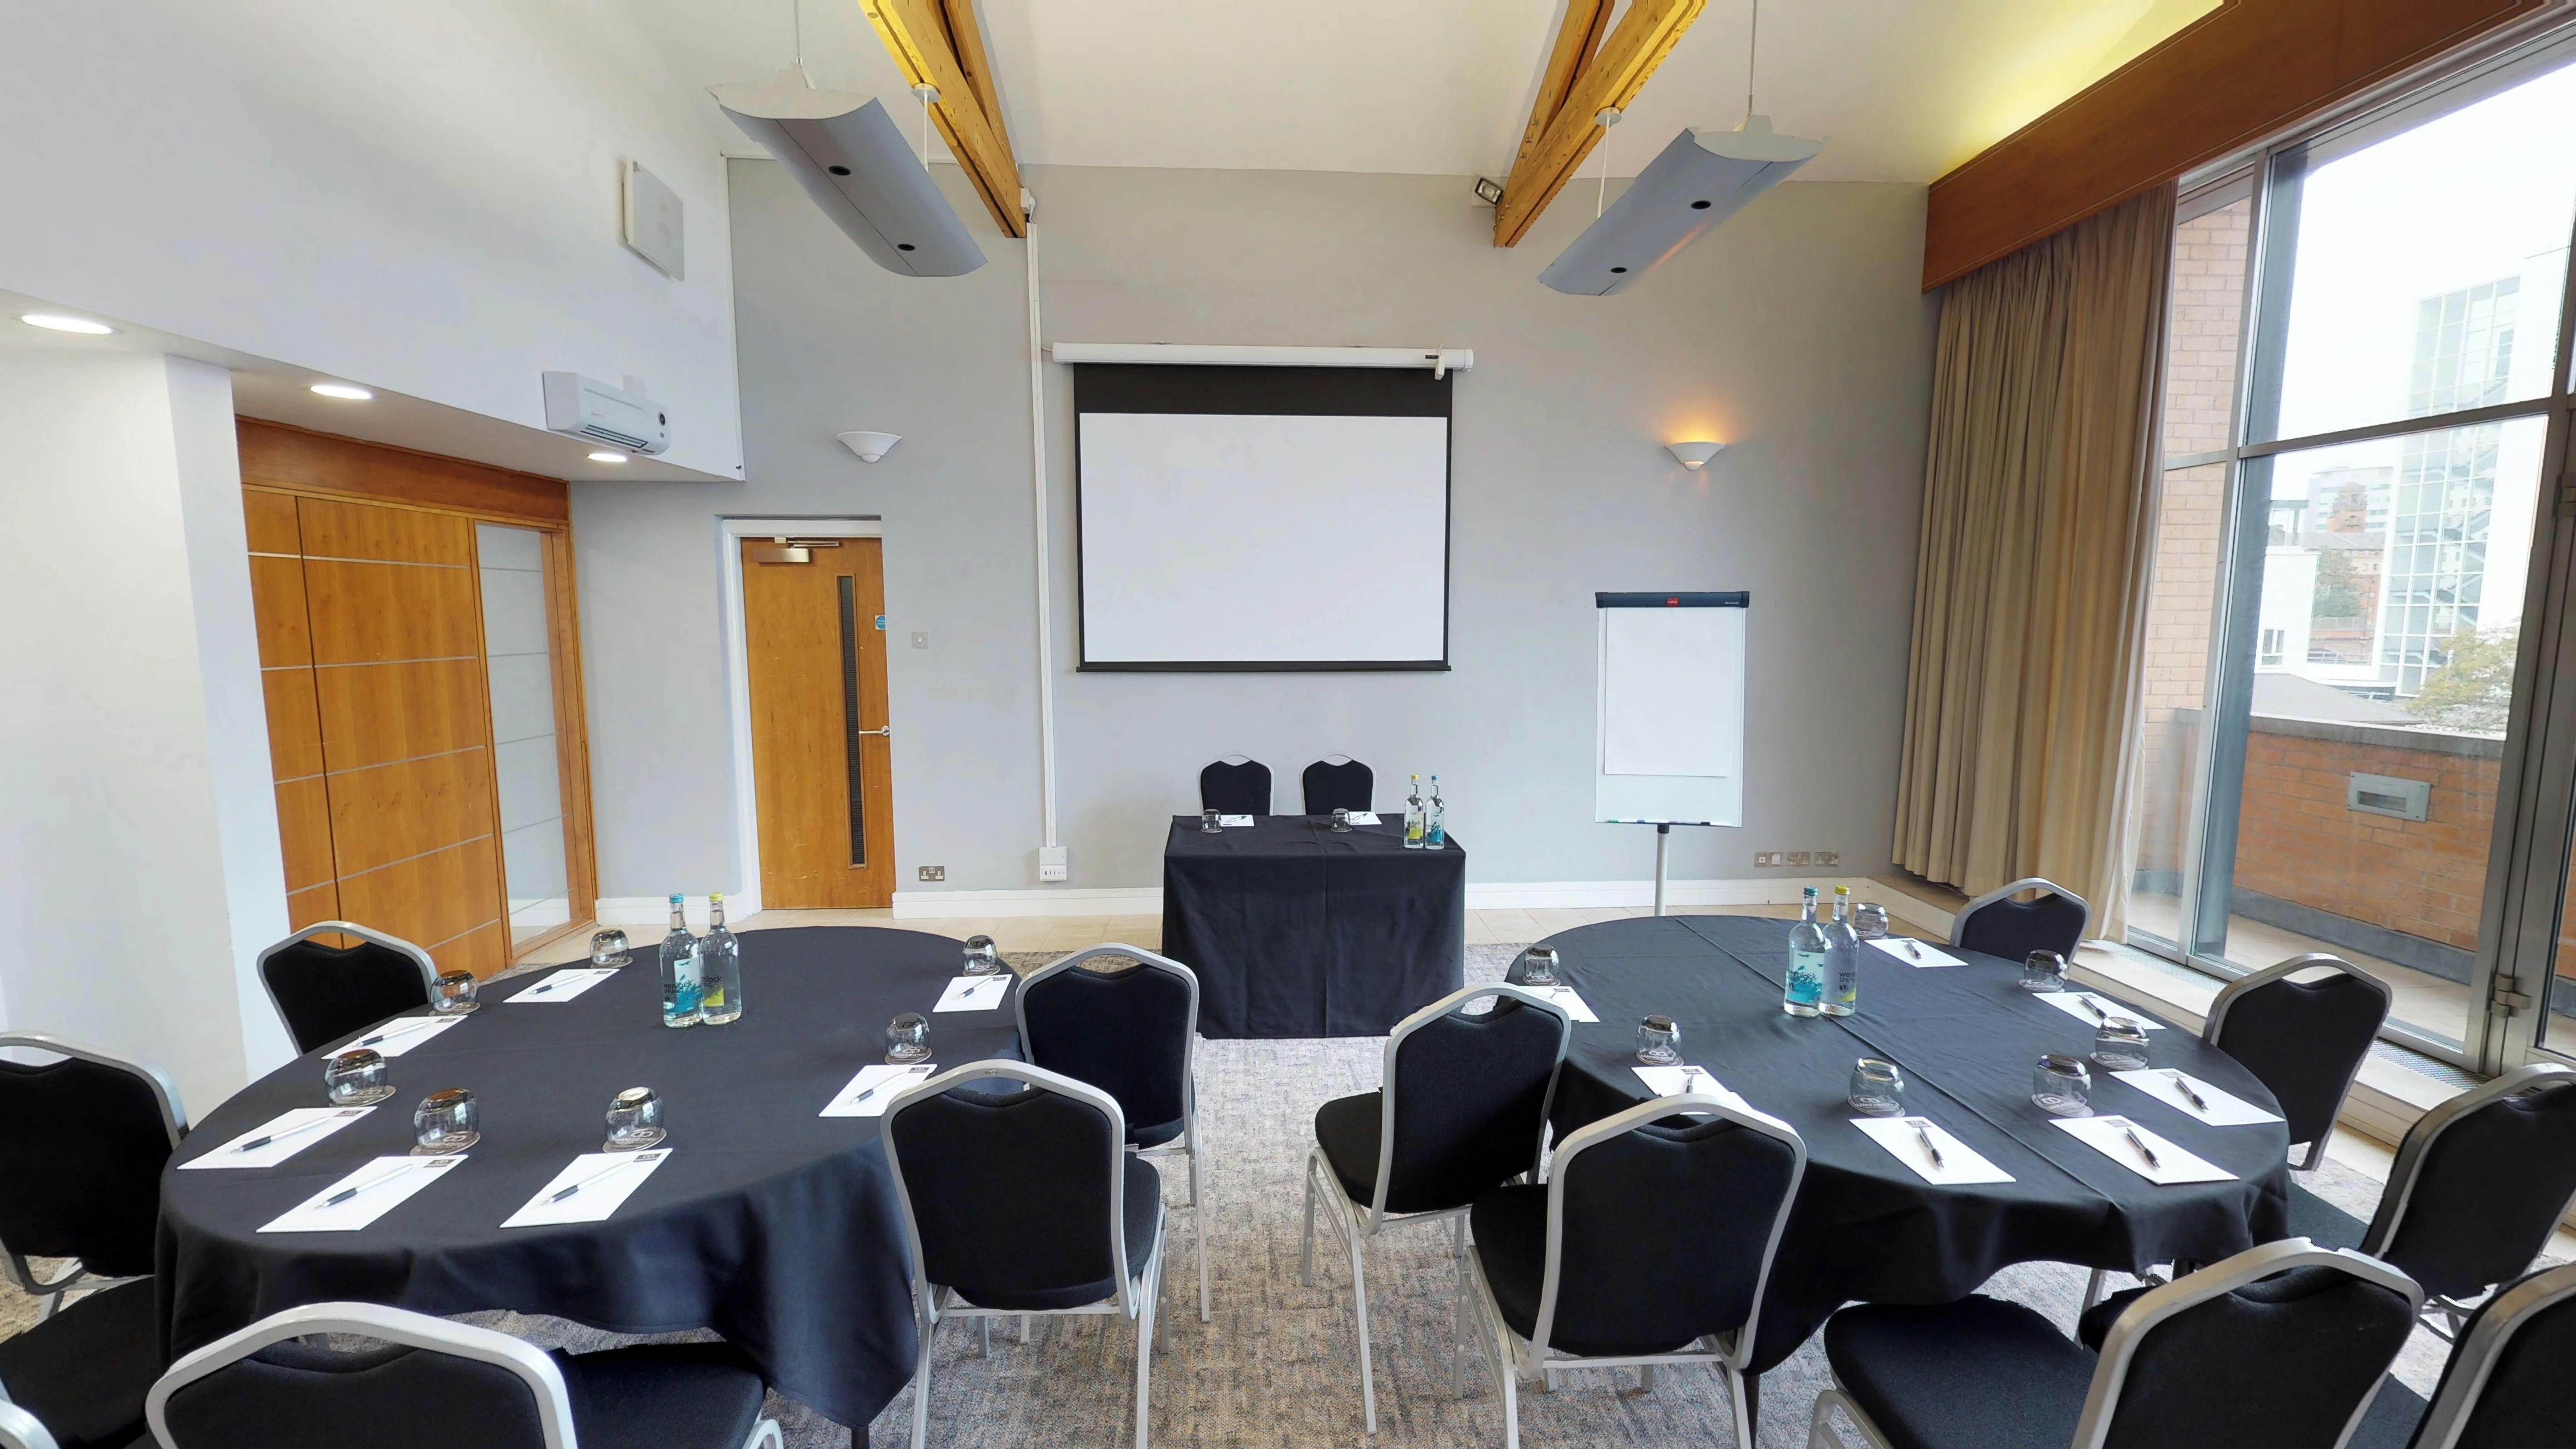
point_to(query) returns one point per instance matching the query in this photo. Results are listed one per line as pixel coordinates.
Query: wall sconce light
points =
(1693, 455)
(871, 446)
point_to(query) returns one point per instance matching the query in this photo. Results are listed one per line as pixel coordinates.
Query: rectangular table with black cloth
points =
(1296, 931)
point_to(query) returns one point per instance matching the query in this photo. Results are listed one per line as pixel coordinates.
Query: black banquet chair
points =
(969, 1166)
(1132, 1034)
(1999, 925)
(2505, 1384)
(2282, 1346)
(1235, 786)
(83, 1138)
(1463, 1107)
(427, 1383)
(1649, 1244)
(327, 993)
(2303, 1040)
(1339, 783)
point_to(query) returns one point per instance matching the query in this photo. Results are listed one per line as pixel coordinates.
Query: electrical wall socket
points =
(1765, 858)
(934, 872)
(1762, 858)
(1829, 857)
(1051, 864)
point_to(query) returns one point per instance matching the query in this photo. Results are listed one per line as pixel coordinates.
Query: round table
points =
(1866, 1227)
(770, 1224)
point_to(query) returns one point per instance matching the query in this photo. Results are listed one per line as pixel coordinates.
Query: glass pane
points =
(2427, 266)
(2562, 978)
(2390, 582)
(2181, 600)
(2200, 340)
(518, 647)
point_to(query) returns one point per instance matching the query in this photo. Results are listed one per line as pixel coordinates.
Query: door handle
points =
(887, 732)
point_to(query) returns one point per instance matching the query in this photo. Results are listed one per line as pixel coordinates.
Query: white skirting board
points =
(655, 910)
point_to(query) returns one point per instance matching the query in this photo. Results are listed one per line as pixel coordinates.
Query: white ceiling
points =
(1903, 90)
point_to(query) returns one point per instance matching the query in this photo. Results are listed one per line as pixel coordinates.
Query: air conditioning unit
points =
(586, 408)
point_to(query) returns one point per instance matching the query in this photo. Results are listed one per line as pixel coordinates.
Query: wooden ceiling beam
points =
(1554, 150)
(937, 43)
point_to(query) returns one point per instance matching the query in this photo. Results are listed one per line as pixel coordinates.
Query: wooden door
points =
(821, 751)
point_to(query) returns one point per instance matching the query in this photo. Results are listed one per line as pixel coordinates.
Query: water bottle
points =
(1842, 958)
(679, 970)
(1435, 831)
(1413, 816)
(719, 969)
(1803, 994)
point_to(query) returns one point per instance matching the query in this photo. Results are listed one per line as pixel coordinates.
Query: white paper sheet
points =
(975, 993)
(879, 1085)
(399, 1035)
(1237, 822)
(2225, 1109)
(1916, 953)
(289, 1133)
(2104, 1134)
(2072, 1003)
(1567, 997)
(606, 1179)
(382, 1184)
(1960, 1163)
(1687, 1080)
(1364, 817)
(563, 985)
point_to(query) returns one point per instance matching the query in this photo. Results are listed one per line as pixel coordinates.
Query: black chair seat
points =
(1144, 1202)
(1158, 1134)
(83, 1372)
(662, 1396)
(1976, 1374)
(1510, 1225)
(1348, 1128)
(2389, 1422)
(2320, 1221)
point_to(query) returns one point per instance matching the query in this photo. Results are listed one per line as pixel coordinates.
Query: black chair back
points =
(1349, 785)
(1014, 1197)
(2303, 1040)
(2473, 1202)
(296, 1395)
(1663, 1234)
(1127, 1033)
(1999, 925)
(2505, 1386)
(1242, 789)
(2285, 1361)
(83, 1140)
(327, 993)
(1465, 1099)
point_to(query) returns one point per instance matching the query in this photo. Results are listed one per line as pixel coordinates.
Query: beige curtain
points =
(2030, 591)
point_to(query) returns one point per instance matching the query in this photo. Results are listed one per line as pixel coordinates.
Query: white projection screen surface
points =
(1257, 518)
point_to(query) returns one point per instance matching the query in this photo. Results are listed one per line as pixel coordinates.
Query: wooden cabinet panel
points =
(385, 813)
(482, 951)
(277, 606)
(294, 723)
(270, 519)
(305, 463)
(429, 899)
(378, 713)
(314, 903)
(304, 829)
(367, 613)
(368, 531)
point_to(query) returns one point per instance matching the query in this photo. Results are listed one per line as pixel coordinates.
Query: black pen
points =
(906, 1073)
(266, 1138)
(2140, 1143)
(2182, 1084)
(603, 1172)
(398, 1031)
(346, 1193)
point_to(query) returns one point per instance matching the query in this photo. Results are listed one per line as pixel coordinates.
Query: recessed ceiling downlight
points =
(605, 456)
(347, 392)
(57, 322)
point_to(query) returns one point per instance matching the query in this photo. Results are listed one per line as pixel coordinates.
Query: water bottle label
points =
(1806, 983)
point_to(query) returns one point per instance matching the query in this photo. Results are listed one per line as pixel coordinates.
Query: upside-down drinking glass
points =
(2043, 971)
(1877, 1088)
(1869, 921)
(983, 958)
(1207, 823)
(356, 1079)
(908, 1039)
(2119, 1044)
(454, 993)
(1538, 968)
(1659, 1041)
(2062, 1086)
(634, 1120)
(444, 1122)
(608, 948)
(1341, 820)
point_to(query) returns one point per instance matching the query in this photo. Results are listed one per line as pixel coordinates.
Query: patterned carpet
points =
(1276, 1365)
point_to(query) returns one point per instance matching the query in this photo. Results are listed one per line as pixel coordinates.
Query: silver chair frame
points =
(1959, 921)
(174, 1120)
(2446, 1315)
(1509, 1356)
(402, 1326)
(2149, 1312)
(1189, 1140)
(1355, 1220)
(931, 1303)
(19, 1429)
(419, 956)
(2512, 1307)
(2239, 988)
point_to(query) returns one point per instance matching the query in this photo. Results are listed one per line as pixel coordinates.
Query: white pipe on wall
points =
(1038, 498)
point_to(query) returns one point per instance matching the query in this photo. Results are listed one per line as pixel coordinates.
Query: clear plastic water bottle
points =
(1413, 816)
(1803, 994)
(1842, 958)
(1435, 828)
(719, 969)
(679, 970)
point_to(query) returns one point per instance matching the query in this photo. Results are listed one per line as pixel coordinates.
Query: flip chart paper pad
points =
(1671, 714)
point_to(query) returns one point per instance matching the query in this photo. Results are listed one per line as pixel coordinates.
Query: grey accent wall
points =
(1796, 332)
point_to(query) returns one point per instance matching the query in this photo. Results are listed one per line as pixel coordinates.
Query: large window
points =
(2365, 410)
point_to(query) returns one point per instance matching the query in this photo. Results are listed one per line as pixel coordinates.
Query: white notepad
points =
(1567, 997)
(1686, 1080)
(399, 1035)
(1237, 821)
(2225, 1109)
(2072, 1003)
(1363, 817)
(563, 985)
(975, 993)
(1916, 953)
(288, 1133)
(1960, 1163)
(877, 1085)
(2106, 1136)
(605, 1178)
(382, 1185)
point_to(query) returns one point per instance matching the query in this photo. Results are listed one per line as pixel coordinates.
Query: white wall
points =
(1797, 332)
(139, 863)
(423, 198)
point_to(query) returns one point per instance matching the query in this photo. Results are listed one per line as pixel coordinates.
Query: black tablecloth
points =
(1295, 931)
(1866, 1227)
(774, 1226)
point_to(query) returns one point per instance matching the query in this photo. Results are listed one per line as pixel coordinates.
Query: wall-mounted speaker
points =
(1701, 179)
(849, 155)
